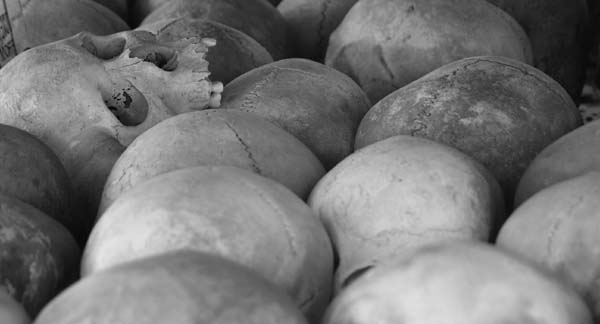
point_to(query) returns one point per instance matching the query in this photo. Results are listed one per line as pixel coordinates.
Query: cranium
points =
(88, 97)
(25, 23)
(400, 193)
(458, 282)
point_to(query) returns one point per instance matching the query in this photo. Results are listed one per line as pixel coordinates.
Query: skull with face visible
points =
(88, 97)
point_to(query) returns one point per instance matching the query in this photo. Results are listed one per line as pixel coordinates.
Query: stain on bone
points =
(128, 104)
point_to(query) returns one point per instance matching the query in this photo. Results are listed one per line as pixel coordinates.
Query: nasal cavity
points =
(128, 104)
(161, 56)
(103, 47)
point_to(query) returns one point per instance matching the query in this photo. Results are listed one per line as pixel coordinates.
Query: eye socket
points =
(103, 47)
(161, 56)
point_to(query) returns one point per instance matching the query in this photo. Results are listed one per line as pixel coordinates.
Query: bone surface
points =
(88, 97)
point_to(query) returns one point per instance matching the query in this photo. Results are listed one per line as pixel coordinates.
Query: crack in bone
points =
(246, 148)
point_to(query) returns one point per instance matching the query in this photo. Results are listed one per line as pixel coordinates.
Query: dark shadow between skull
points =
(163, 57)
(355, 275)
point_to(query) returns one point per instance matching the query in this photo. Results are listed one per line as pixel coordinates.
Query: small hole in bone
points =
(129, 105)
(163, 57)
(103, 47)
(355, 275)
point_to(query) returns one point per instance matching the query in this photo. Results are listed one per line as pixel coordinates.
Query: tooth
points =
(215, 100)
(209, 42)
(217, 87)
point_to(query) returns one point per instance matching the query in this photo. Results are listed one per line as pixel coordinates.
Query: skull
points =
(399, 193)
(88, 97)
(232, 45)
(256, 18)
(458, 282)
(25, 23)
(11, 311)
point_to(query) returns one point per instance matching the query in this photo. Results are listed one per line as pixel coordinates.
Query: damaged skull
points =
(88, 97)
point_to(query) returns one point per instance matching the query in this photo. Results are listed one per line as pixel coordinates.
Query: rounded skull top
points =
(320, 106)
(311, 22)
(227, 211)
(559, 228)
(38, 256)
(449, 283)
(570, 156)
(32, 173)
(29, 23)
(182, 287)
(401, 192)
(501, 112)
(215, 137)
(385, 44)
(256, 18)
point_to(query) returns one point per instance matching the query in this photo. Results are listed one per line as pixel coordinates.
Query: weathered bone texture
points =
(322, 107)
(465, 283)
(215, 137)
(558, 30)
(183, 287)
(500, 111)
(32, 173)
(311, 22)
(234, 54)
(386, 44)
(38, 256)
(38, 22)
(558, 228)
(570, 156)
(399, 193)
(228, 211)
(87, 97)
(256, 18)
